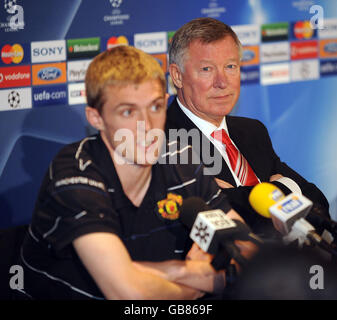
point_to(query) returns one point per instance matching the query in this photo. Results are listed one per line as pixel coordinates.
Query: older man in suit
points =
(204, 64)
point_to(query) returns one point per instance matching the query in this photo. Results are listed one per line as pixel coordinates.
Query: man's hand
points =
(120, 278)
(196, 274)
(196, 253)
(247, 249)
(223, 184)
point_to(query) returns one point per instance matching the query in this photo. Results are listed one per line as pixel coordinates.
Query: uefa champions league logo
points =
(9, 5)
(116, 3)
(16, 20)
(14, 99)
(116, 17)
(213, 10)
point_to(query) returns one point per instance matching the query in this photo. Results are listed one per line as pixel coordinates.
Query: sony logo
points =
(149, 43)
(47, 51)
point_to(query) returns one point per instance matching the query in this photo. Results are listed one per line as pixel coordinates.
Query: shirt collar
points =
(156, 191)
(204, 126)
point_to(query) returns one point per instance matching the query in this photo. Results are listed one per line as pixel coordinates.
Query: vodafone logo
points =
(304, 50)
(15, 76)
(12, 54)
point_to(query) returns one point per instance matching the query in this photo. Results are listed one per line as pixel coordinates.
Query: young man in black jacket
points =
(106, 222)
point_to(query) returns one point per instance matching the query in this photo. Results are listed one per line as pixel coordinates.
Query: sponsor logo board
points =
(275, 31)
(15, 77)
(250, 55)
(248, 34)
(50, 95)
(13, 54)
(162, 60)
(114, 41)
(48, 51)
(155, 42)
(250, 74)
(275, 73)
(328, 48)
(76, 93)
(304, 50)
(83, 48)
(49, 73)
(329, 30)
(170, 35)
(304, 70)
(77, 70)
(272, 52)
(302, 30)
(14, 99)
(328, 67)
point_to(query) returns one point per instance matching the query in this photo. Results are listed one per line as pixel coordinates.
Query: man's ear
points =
(176, 75)
(94, 118)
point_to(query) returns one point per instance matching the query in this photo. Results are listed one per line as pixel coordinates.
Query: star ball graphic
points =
(14, 99)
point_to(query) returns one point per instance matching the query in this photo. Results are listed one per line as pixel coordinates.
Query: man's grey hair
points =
(206, 30)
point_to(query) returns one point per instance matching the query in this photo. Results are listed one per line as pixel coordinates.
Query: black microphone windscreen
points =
(190, 209)
(319, 218)
(242, 228)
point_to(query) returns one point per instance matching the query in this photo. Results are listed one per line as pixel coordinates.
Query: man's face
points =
(210, 85)
(133, 119)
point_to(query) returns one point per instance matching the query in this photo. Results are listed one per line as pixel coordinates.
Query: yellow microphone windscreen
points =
(263, 196)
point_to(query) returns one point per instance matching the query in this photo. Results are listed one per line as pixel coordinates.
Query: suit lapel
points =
(177, 119)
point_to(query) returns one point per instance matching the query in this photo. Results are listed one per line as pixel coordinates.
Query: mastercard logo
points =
(303, 30)
(12, 54)
(113, 41)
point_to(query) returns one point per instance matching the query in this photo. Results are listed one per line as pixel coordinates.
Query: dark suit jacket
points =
(252, 139)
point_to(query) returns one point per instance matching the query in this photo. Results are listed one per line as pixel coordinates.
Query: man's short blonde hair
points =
(120, 66)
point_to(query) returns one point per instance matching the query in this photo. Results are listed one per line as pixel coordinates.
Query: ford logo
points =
(331, 47)
(248, 55)
(49, 73)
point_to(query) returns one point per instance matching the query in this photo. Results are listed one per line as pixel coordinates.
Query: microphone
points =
(263, 196)
(269, 201)
(318, 218)
(214, 232)
(288, 214)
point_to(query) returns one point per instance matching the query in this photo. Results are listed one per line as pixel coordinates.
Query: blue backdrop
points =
(288, 82)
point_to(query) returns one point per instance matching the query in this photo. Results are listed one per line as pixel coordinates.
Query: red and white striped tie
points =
(239, 164)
